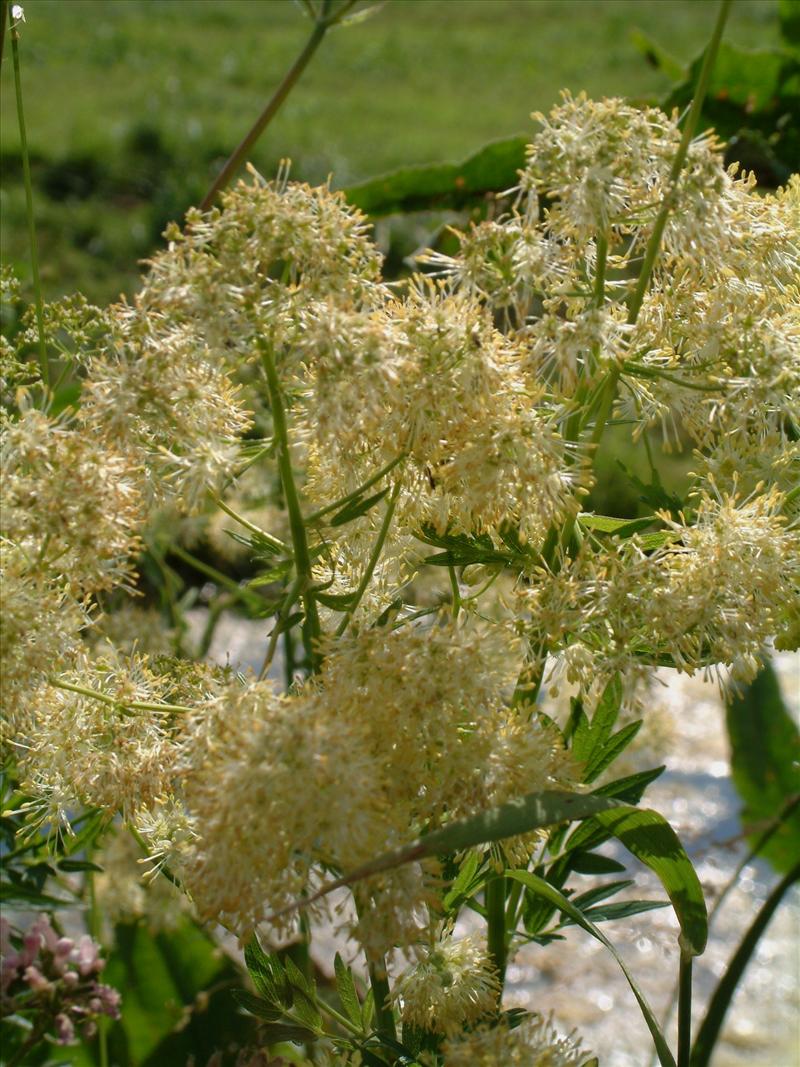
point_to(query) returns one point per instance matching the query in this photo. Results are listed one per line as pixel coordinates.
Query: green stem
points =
(720, 1002)
(373, 560)
(381, 993)
(96, 931)
(26, 174)
(290, 79)
(315, 516)
(496, 918)
(342, 1020)
(288, 659)
(215, 612)
(653, 245)
(31, 1042)
(639, 371)
(788, 809)
(273, 542)
(384, 1016)
(162, 867)
(302, 556)
(685, 1009)
(292, 593)
(600, 271)
(104, 698)
(456, 591)
(249, 599)
(606, 404)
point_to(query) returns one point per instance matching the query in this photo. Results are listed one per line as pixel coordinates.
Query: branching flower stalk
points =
(16, 15)
(328, 15)
(311, 626)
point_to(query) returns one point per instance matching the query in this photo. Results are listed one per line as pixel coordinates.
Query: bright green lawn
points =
(130, 102)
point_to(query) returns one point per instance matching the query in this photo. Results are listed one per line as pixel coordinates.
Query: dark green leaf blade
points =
(550, 893)
(493, 168)
(652, 840)
(604, 755)
(346, 988)
(765, 764)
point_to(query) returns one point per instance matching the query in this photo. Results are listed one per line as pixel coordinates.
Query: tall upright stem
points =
(654, 242)
(685, 1009)
(384, 1016)
(689, 129)
(302, 556)
(372, 562)
(496, 917)
(95, 929)
(26, 174)
(290, 79)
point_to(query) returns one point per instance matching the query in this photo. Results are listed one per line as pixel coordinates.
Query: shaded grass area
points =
(133, 104)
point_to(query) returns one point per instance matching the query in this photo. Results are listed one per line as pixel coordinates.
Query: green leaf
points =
(619, 527)
(493, 168)
(274, 574)
(605, 755)
(257, 1006)
(653, 493)
(304, 1004)
(622, 909)
(267, 974)
(589, 739)
(465, 883)
(630, 789)
(161, 977)
(258, 544)
(462, 550)
(30, 897)
(600, 892)
(357, 508)
(346, 988)
(532, 812)
(272, 1033)
(789, 17)
(765, 765)
(591, 863)
(551, 894)
(752, 102)
(337, 601)
(77, 865)
(578, 730)
(296, 978)
(649, 837)
(644, 833)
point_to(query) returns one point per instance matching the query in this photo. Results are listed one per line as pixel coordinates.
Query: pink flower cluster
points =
(56, 979)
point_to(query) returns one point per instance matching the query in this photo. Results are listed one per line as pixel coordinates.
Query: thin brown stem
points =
(290, 79)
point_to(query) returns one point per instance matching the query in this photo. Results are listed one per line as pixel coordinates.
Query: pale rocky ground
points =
(578, 980)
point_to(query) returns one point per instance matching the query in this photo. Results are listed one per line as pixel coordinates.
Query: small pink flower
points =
(109, 999)
(87, 957)
(36, 980)
(8, 971)
(65, 1029)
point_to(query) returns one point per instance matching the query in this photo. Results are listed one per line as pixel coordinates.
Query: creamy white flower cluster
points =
(471, 404)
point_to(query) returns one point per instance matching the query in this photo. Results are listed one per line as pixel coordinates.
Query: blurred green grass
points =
(131, 105)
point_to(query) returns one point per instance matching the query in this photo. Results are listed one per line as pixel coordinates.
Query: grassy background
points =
(131, 105)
